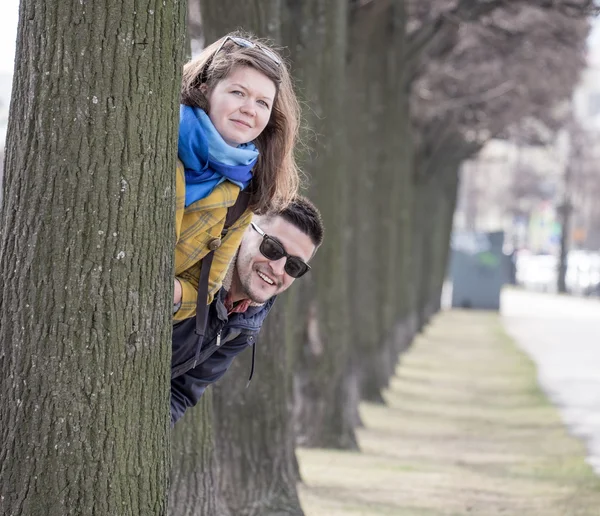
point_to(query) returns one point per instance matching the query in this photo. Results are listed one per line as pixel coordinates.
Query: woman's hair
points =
(276, 176)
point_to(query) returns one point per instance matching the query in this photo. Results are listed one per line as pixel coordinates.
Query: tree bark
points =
(316, 33)
(194, 490)
(254, 439)
(368, 75)
(391, 250)
(261, 17)
(86, 249)
(565, 211)
(565, 219)
(436, 183)
(420, 238)
(447, 196)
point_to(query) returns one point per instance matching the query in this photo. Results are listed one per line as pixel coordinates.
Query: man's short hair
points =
(304, 215)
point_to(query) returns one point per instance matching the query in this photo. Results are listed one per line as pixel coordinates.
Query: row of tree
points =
(397, 93)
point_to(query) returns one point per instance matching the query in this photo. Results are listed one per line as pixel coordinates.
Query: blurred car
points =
(537, 272)
(583, 272)
(540, 272)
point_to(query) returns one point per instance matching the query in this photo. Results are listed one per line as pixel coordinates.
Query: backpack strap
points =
(234, 212)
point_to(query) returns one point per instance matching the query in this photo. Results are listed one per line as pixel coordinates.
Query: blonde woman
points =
(239, 123)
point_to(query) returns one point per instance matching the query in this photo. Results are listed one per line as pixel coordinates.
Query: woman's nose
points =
(248, 108)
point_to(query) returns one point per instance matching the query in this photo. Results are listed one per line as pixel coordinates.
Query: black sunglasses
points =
(245, 43)
(272, 249)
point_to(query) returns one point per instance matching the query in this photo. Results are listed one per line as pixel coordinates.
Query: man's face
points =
(258, 278)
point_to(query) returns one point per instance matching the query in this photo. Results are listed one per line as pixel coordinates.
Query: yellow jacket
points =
(196, 226)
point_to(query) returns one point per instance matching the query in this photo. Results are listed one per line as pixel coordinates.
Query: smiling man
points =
(275, 250)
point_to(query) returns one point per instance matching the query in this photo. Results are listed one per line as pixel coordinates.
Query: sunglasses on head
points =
(272, 249)
(245, 43)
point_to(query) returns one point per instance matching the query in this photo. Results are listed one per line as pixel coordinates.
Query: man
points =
(273, 253)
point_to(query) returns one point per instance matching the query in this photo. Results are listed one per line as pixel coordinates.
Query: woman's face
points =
(240, 105)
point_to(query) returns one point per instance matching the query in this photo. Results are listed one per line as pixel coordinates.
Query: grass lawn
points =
(466, 431)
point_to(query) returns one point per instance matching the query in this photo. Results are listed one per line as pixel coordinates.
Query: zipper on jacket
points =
(199, 353)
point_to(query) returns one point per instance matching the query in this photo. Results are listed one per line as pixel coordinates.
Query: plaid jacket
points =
(196, 226)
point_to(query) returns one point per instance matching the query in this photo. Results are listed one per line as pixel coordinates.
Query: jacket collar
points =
(253, 318)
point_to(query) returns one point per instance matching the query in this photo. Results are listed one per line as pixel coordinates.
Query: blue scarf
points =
(207, 158)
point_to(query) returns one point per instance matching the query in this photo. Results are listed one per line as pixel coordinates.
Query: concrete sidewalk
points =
(562, 336)
(466, 431)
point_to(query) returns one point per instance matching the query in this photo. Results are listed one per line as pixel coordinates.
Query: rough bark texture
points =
(435, 185)
(194, 491)
(366, 75)
(253, 434)
(565, 217)
(447, 200)
(86, 259)
(261, 17)
(317, 36)
(400, 317)
(381, 249)
(565, 213)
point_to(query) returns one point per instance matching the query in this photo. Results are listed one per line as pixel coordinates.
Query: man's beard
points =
(232, 281)
(244, 286)
(246, 290)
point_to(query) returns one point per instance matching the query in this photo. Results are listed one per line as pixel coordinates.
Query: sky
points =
(9, 14)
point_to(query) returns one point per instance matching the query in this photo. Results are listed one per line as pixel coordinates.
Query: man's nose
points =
(278, 266)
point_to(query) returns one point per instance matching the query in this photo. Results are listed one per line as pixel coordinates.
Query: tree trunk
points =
(565, 223)
(316, 33)
(195, 28)
(565, 211)
(261, 17)
(447, 199)
(368, 74)
(86, 259)
(254, 439)
(194, 491)
(388, 254)
(421, 237)
(436, 178)
(402, 151)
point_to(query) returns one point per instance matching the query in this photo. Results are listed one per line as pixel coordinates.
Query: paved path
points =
(562, 335)
(466, 431)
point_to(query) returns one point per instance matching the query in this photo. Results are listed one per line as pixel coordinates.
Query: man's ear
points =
(203, 88)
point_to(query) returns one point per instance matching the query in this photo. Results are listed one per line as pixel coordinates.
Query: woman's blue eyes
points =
(241, 93)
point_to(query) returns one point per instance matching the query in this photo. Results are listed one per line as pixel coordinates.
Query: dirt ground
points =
(466, 431)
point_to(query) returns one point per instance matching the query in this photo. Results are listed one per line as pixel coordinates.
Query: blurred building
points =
(512, 188)
(520, 189)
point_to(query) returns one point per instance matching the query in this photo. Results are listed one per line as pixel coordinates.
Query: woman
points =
(238, 126)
